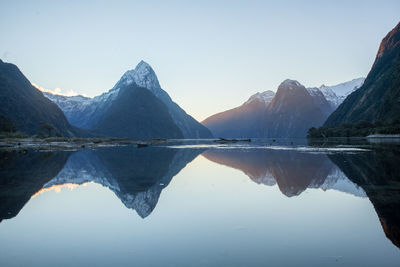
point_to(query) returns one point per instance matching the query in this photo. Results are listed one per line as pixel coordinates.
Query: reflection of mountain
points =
(136, 176)
(378, 174)
(293, 171)
(22, 175)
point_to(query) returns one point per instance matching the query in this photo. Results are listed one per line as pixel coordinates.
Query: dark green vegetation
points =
(8, 130)
(359, 129)
(377, 102)
(26, 107)
(137, 113)
(6, 125)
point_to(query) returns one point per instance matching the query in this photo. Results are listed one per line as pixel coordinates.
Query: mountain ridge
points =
(246, 120)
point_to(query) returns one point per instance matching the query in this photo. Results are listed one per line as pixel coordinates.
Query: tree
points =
(45, 126)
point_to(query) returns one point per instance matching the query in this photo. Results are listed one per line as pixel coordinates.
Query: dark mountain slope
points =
(379, 97)
(26, 106)
(292, 112)
(137, 113)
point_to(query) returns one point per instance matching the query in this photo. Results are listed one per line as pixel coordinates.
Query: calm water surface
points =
(202, 204)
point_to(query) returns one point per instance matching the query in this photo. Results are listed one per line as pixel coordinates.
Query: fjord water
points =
(202, 204)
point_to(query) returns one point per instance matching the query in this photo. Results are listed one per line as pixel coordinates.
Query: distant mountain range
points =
(137, 107)
(242, 121)
(26, 107)
(288, 113)
(378, 99)
(128, 111)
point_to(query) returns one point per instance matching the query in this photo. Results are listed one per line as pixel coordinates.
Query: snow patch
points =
(265, 97)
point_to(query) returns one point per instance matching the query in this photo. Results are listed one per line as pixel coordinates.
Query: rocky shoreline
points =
(63, 143)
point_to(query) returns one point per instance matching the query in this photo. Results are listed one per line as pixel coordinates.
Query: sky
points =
(209, 56)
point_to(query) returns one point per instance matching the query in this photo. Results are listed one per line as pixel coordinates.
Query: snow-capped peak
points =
(337, 93)
(346, 88)
(143, 75)
(265, 97)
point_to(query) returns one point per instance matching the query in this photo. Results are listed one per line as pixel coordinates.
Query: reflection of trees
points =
(22, 175)
(378, 173)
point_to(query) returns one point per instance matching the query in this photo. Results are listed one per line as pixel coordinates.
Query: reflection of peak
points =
(266, 179)
(82, 167)
(136, 176)
(143, 202)
(292, 171)
(338, 181)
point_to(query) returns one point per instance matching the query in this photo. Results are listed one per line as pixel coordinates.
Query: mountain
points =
(378, 99)
(26, 106)
(242, 121)
(320, 101)
(292, 112)
(247, 120)
(74, 107)
(86, 112)
(137, 113)
(336, 94)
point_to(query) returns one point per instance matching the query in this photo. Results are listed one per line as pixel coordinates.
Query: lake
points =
(200, 203)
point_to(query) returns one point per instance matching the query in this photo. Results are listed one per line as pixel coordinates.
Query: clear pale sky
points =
(209, 55)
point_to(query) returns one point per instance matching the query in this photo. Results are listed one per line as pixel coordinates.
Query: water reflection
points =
(22, 175)
(292, 170)
(378, 173)
(138, 176)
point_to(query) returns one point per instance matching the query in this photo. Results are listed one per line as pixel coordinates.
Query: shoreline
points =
(64, 143)
(383, 136)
